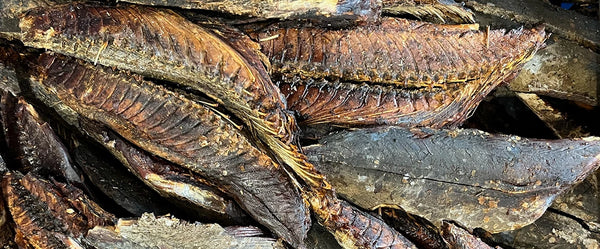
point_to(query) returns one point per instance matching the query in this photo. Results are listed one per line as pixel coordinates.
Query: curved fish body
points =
(183, 132)
(167, 179)
(164, 45)
(279, 8)
(398, 52)
(437, 76)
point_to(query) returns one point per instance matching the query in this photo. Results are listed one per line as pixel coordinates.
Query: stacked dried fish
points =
(243, 146)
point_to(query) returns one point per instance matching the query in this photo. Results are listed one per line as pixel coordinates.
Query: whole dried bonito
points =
(181, 131)
(496, 182)
(432, 75)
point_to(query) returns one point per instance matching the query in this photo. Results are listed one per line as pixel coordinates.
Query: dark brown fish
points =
(183, 132)
(129, 37)
(459, 238)
(49, 214)
(354, 228)
(419, 230)
(6, 227)
(398, 52)
(441, 75)
(33, 143)
(167, 179)
(365, 9)
(442, 11)
(320, 102)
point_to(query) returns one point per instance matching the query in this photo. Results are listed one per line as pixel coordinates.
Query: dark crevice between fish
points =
(573, 217)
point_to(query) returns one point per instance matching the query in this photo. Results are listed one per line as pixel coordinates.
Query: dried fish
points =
(431, 90)
(459, 238)
(354, 228)
(349, 104)
(405, 53)
(6, 231)
(496, 182)
(33, 142)
(424, 234)
(189, 55)
(149, 231)
(112, 180)
(442, 11)
(183, 132)
(49, 214)
(167, 179)
(365, 9)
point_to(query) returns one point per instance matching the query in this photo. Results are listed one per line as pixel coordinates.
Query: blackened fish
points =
(183, 132)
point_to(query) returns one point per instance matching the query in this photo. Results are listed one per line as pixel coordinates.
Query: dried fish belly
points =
(278, 8)
(392, 54)
(182, 132)
(165, 178)
(320, 101)
(49, 214)
(496, 182)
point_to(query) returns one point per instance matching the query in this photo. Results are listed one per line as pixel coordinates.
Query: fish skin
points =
(182, 132)
(49, 214)
(397, 52)
(282, 9)
(127, 37)
(435, 88)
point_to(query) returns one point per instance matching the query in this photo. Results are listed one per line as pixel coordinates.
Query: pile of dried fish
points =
(200, 108)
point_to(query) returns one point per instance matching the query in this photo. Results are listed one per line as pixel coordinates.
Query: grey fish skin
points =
(497, 182)
(283, 9)
(183, 132)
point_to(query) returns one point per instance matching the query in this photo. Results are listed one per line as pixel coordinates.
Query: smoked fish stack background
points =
(115, 114)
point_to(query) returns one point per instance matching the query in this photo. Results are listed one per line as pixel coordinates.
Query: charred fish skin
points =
(422, 56)
(182, 132)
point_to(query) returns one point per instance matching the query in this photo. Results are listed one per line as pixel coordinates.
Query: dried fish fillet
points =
(458, 237)
(354, 228)
(323, 102)
(167, 179)
(442, 11)
(182, 132)
(128, 37)
(279, 8)
(50, 214)
(33, 142)
(398, 52)
(419, 230)
(496, 182)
